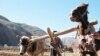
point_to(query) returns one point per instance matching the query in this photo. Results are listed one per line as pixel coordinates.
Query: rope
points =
(64, 50)
(76, 34)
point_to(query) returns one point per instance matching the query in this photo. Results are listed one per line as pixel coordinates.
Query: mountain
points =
(9, 30)
(70, 41)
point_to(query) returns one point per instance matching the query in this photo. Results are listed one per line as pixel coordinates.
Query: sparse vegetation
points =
(14, 51)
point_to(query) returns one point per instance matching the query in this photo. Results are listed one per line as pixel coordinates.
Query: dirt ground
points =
(15, 52)
(12, 51)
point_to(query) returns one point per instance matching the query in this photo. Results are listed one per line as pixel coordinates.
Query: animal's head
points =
(24, 41)
(78, 13)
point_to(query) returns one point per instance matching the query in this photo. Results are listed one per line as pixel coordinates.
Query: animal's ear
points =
(87, 4)
(83, 5)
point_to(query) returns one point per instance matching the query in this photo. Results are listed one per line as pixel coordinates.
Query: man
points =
(86, 48)
(58, 45)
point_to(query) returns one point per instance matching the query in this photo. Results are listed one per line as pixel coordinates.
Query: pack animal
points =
(30, 47)
(80, 15)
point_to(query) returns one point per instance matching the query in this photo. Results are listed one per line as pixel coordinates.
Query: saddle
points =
(90, 29)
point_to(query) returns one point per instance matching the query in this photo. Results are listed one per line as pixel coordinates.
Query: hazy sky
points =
(47, 13)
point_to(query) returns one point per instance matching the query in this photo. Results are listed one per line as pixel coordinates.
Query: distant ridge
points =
(9, 30)
(3, 18)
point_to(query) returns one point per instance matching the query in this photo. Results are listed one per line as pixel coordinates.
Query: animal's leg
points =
(96, 54)
(80, 54)
(94, 48)
(30, 55)
(83, 53)
(42, 54)
(35, 54)
(93, 54)
(42, 51)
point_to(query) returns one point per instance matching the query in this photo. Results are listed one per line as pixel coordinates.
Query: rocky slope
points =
(9, 30)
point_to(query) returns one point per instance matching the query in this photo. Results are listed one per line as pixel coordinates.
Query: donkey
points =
(31, 47)
(80, 15)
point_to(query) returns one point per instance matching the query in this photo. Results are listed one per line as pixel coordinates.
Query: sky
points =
(47, 13)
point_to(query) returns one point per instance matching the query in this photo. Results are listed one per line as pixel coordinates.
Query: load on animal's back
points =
(80, 15)
(30, 46)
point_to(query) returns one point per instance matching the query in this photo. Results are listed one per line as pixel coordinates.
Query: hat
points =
(54, 31)
(84, 40)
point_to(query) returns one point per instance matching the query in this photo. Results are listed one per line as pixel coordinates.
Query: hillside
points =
(9, 30)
